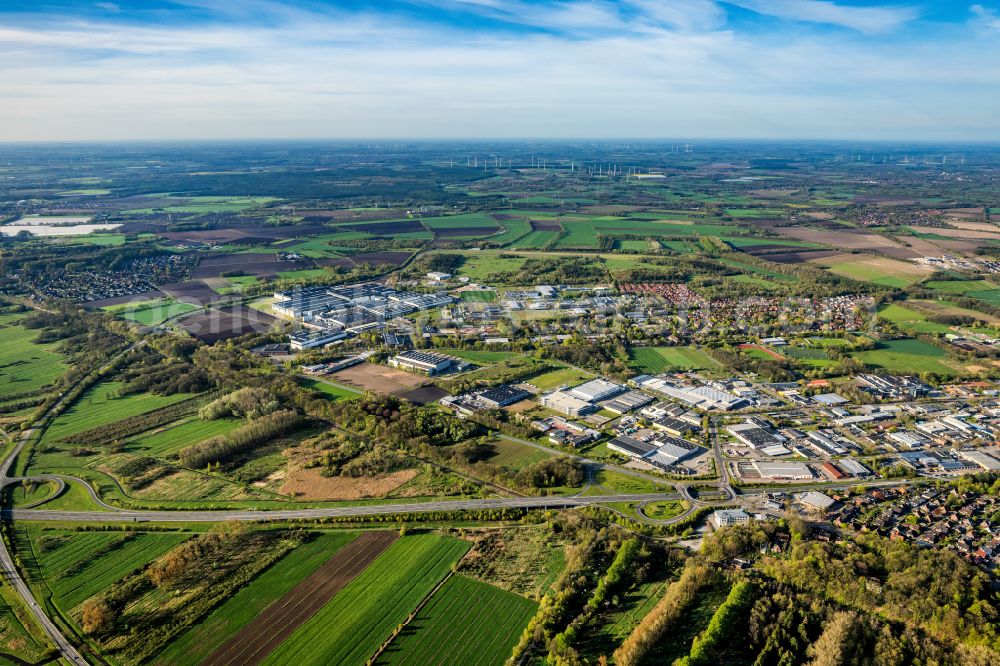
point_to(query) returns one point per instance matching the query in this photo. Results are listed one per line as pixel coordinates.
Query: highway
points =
(553, 502)
(10, 572)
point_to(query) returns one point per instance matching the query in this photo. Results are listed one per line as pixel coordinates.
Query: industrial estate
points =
(491, 403)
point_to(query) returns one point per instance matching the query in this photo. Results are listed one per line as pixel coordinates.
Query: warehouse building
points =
(503, 395)
(430, 363)
(788, 471)
(567, 404)
(597, 390)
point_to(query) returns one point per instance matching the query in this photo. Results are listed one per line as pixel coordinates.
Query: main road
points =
(10, 572)
(548, 502)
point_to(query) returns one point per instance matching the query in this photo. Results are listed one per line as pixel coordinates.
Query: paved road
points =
(554, 502)
(10, 572)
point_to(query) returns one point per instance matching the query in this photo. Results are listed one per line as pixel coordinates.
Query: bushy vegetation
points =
(254, 433)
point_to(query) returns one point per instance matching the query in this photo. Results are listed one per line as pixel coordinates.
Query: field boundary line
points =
(409, 618)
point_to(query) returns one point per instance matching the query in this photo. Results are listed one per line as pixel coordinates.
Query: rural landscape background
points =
(469, 382)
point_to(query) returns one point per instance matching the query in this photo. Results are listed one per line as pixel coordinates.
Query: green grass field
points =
(85, 563)
(152, 313)
(483, 296)
(24, 366)
(654, 360)
(200, 641)
(560, 377)
(906, 356)
(516, 228)
(480, 357)
(515, 455)
(536, 240)
(331, 391)
(366, 611)
(910, 320)
(459, 221)
(101, 404)
(165, 441)
(466, 622)
(304, 274)
(960, 286)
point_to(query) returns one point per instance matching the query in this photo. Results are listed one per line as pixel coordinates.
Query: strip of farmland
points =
(350, 629)
(466, 622)
(280, 620)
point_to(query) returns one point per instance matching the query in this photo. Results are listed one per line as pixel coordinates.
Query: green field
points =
(372, 605)
(882, 273)
(654, 360)
(515, 455)
(561, 377)
(83, 564)
(331, 391)
(466, 622)
(483, 296)
(480, 356)
(165, 441)
(516, 228)
(101, 404)
(151, 313)
(204, 205)
(906, 356)
(459, 221)
(910, 320)
(201, 640)
(479, 266)
(304, 274)
(536, 240)
(960, 286)
(24, 366)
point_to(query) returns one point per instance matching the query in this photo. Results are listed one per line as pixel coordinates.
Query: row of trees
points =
(244, 438)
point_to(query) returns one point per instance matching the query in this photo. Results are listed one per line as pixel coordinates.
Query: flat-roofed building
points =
(597, 390)
(630, 446)
(789, 471)
(565, 403)
(983, 459)
(306, 339)
(627, 402)
(853, 467)
(430, 363)
(816, 500)
(503, 395)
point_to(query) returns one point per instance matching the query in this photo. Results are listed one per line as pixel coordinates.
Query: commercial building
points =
(438, 276)
(597, 390)
(503, 395)
(788, 471)
(567, 404)
(816, 500)
(430, 363)
(306, 339)
(627, 402)
(983, 459)
(726, 517)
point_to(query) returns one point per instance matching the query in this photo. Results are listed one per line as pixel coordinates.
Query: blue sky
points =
(192, 69)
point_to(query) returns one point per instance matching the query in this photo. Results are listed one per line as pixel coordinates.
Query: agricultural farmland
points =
(465, 622)
(907, 356)
(25, 367)
(654, 360)
(371, 606)
(102, 404)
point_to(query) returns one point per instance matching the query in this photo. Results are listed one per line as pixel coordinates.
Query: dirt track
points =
(279, 620)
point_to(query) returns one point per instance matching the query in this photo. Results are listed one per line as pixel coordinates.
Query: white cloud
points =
(863, 19)
(108, 6)
(985, 19)
(320, 75)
